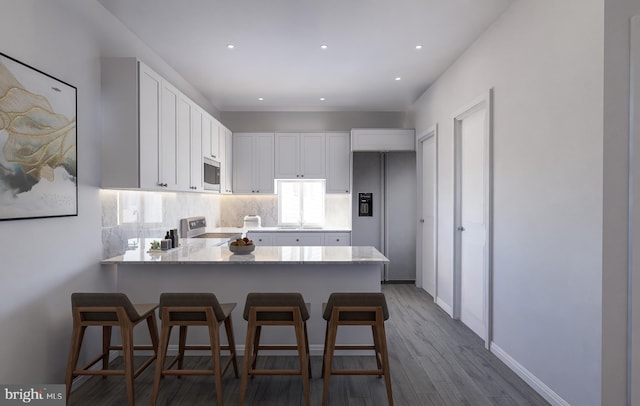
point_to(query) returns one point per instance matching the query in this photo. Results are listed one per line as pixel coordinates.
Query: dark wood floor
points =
(434, 361)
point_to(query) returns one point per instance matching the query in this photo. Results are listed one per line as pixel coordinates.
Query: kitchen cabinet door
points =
(228, 161)
(337, 238)
(312, 155)
(211, 141)
(260, 238)
(184, 143)
(299, 239)
(253, 163)
(299, 155)
(150, 89)
(338, 162)
(169, 136)
(263, 158)
(287, 155)
(195, 144)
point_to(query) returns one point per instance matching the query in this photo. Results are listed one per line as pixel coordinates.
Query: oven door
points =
(211, 174)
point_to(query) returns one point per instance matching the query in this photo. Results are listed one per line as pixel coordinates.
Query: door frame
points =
(432, 132)
(633, 278)
(483, 101)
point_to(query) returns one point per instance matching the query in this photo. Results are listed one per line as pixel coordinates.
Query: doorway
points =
(472, 245)
(427, 148)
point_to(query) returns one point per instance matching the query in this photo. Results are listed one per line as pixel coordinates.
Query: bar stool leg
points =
(214, 340)
(182, 343)
(127, 352)
(162, 354)
(302, 353)
(77, 336)
(382, 339)
(228, 326)
(106, 343)
(256, 347)
(248, 351)
(330, 344)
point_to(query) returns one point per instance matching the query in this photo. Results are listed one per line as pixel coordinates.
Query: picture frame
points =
(38, 143)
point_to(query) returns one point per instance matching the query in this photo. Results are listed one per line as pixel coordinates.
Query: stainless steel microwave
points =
(211, 174)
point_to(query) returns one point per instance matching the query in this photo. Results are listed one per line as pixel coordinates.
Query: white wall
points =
(544, 60)
(45, 260)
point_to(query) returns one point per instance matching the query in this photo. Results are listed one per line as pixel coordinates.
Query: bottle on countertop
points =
(173, 233)
(168, 237)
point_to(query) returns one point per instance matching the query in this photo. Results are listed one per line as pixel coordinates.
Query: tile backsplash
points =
(233, 208)
(130, 215)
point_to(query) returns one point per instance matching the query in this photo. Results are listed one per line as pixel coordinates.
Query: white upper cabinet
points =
(195, 144)
(338, 162)
(211, 137)
(299, 155)
(383, 139)
(152, 134)
(184, 141)
(131, 139)
(226, 146)
(169, 136)
(253, 162)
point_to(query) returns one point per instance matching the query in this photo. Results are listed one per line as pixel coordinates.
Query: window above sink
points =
(300, 203)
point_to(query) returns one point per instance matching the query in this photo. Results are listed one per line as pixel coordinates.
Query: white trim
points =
(483, 101)
(444, 306)
(533, 381)
(633, 306)
(432, 132)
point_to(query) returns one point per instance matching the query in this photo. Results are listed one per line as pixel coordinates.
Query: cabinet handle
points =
(297, 239)
(302, 176)
(337, 239)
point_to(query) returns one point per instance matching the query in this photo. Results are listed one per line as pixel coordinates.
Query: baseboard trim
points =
(533, 381)
(444, 306)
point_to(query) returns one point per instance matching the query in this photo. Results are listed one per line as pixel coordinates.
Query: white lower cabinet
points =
(260, 238)
(302, 238)
(341, 238)
(295, 239)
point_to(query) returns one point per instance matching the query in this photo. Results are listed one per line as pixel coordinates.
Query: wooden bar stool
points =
(356, 309)
(195, 309)
(276, 309)
(107, 310)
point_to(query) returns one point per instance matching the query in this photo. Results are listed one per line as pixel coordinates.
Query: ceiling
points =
(278, 55)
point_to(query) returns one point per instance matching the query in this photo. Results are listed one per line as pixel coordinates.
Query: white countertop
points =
(209, 251)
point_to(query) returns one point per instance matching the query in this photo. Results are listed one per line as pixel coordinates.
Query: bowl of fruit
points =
(242, 246)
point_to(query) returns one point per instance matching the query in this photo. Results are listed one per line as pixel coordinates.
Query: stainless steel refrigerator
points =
(384, 209)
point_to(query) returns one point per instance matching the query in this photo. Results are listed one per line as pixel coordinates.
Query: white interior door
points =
(429, 161)
(472, 217)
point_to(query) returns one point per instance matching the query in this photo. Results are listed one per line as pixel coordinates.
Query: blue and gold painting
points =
(38, 153)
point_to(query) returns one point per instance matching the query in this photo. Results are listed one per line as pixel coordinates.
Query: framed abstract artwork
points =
(38, 153)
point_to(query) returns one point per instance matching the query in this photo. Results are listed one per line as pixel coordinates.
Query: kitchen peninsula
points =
(207, 265)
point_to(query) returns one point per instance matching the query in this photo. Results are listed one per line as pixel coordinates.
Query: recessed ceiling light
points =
(398, 78)
(261, 98)
(418, 46)
(323, 46)
(230, 46)
(322, 99)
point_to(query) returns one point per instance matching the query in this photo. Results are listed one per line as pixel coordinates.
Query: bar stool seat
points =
(107, 310)
(195, 309)
(356, 309)
(276, 309)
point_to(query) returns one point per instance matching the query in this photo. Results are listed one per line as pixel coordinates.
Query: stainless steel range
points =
(195, 227)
